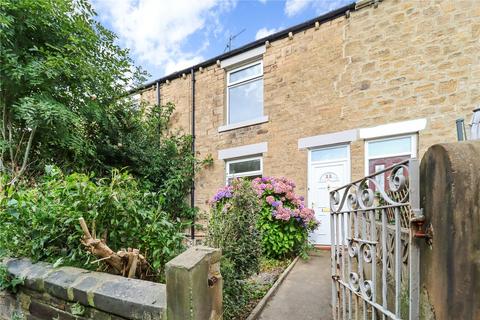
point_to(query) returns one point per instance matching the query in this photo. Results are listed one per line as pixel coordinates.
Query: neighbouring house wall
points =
(400, 61)
(450, 268)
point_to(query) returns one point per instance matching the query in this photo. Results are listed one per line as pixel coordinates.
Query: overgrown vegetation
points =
(232, 228)
(41, 222)
(62, 78)
(65, 106)
(64, 101)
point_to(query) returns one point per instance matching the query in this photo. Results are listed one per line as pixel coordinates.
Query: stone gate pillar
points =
(194, 285)
(450, 268)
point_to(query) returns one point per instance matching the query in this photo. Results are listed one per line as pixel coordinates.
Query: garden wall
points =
(73, 293)
(450, 268)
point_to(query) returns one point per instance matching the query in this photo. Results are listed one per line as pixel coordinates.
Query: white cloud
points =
(263, 32)
(293, 7)
(181, 63)
(156, 32)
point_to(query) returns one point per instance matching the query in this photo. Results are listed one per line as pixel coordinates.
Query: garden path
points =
(305, 294)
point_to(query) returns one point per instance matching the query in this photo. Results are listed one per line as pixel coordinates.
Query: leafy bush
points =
(41, 222)
(232, 228)
(237, 292)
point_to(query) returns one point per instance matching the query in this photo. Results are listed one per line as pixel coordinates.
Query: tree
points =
(62, 83)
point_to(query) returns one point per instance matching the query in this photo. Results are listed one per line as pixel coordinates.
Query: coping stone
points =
(59, 281)
(131, 298)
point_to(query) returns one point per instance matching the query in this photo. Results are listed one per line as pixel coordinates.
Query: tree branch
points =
(4, 134)
(10, 144)
(26, 155)
(4, 120)
(19, 146)
(27, 151)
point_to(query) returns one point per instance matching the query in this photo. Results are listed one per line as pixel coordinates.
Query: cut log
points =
(125, 262)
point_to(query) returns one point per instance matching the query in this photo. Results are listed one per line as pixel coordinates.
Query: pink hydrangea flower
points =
(289, 206)
(270, 199)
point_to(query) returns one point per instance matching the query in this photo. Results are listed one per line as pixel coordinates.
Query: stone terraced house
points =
(332, 99)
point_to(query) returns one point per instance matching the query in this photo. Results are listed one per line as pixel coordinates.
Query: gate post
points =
(414, 247)
(450, 268)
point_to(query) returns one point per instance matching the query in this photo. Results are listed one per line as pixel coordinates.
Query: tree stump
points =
(128, 263)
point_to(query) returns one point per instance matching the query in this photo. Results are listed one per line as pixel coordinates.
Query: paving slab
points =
(305, 294)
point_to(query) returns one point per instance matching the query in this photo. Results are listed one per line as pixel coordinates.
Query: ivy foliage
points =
(7, 282)
(41, 222)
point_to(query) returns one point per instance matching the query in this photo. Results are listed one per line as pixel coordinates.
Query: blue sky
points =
(165, 36)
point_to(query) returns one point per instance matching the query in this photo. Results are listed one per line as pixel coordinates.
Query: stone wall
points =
(69, 293)
(450, 267)
(401, 60)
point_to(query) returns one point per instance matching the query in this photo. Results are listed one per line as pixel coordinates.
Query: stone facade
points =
(400, 60)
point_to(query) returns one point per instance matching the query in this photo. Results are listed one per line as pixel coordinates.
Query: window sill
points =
(247, 123)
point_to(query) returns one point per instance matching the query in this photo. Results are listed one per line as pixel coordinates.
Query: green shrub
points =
(232, 228)
(236, 292)
(41, 221)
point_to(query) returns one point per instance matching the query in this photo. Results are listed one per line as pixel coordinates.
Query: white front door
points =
(325, 176)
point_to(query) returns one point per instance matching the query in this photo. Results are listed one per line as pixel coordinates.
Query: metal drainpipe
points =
(192, 190)
(460, 129)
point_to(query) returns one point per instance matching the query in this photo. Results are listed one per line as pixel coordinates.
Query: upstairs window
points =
(245, 93)
(243, 168)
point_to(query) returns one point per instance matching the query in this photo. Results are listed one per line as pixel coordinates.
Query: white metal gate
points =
(375, 252)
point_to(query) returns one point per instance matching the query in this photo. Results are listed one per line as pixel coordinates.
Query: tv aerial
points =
(228, 47)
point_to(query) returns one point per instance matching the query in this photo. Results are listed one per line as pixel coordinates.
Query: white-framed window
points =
(245, 93)
(246, 167)
(386, 152)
